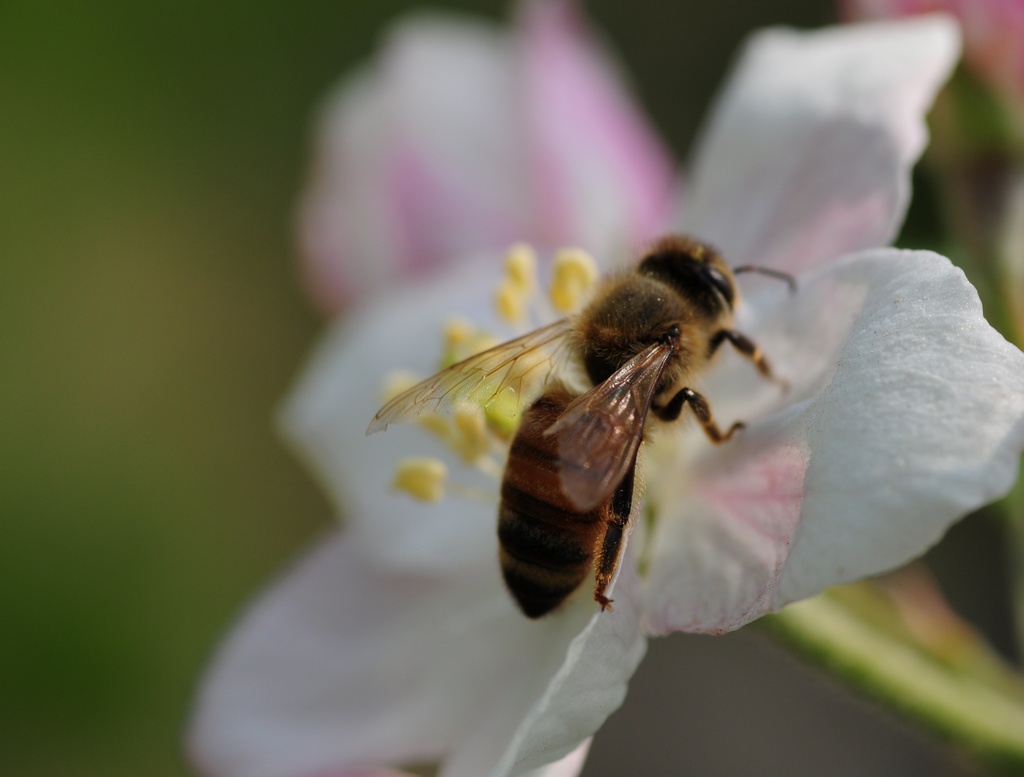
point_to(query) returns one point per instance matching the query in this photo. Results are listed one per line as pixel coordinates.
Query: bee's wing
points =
(478, 379)
(600, 431)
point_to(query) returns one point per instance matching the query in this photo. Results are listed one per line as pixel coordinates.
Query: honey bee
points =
(568, 486)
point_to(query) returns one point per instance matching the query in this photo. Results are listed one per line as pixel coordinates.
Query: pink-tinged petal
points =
(343, 663)
(724, 535)
(888, 9)
(417, 160)
(464, 138)
(808, 153)
(601, 176)
(901, 418)
(994, 43)
(993, 33)
(327, 412)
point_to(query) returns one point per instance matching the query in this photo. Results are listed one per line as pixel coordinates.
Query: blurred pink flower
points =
(993, 34)
(394, 641)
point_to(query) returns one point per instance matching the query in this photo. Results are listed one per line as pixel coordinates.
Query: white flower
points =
(394, 641)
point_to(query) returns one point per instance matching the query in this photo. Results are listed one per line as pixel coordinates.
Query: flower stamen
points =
(462, 340)
(573, 278)
(480, 435)
(395, 383)
(521, 267)
(510, 302)
(470, 439)
(518, 285)
(422, 478)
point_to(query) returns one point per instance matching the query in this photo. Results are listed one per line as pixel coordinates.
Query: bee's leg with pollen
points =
(746, 347)
(610, 547)
(701, 409)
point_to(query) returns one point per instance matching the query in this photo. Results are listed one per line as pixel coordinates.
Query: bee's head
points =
(693, 269)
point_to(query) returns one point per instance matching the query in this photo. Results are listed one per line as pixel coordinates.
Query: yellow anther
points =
(510, 302)
(421, 478)
(458, 338)
(462, 340)
(457, 331)
(395, 383)
(502, 414)
(573, 276)
(470, 439)
(479, 343)
(521, 267)
(435, 424)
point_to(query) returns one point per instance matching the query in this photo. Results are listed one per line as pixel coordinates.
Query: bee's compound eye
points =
(720, 283)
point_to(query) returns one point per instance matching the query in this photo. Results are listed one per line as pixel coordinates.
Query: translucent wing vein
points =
(522, 366)
(600, 431)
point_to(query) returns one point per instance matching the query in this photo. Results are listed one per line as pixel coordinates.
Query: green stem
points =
(984, 718)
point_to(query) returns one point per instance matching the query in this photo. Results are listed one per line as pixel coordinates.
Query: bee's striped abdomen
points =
(546, 545)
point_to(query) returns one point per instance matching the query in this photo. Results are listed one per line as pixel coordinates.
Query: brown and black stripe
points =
(547, 546)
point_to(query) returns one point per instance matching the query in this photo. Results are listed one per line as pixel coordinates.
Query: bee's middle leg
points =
(701, 409)
(747, 348)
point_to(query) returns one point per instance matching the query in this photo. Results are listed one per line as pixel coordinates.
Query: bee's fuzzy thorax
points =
(632, 311)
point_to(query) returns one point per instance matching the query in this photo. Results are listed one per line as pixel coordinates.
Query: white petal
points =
(808, 153)
(589, 686)
(891, 433)
(569, 766)
(326, 415)
(569, 675)
(922, 422)
(343, 664)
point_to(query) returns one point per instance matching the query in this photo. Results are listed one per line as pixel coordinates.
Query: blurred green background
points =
(151, 321)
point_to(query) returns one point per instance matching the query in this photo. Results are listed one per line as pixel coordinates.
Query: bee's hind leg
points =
(610, 548)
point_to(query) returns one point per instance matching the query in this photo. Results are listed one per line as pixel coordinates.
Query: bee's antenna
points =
(778, 274)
